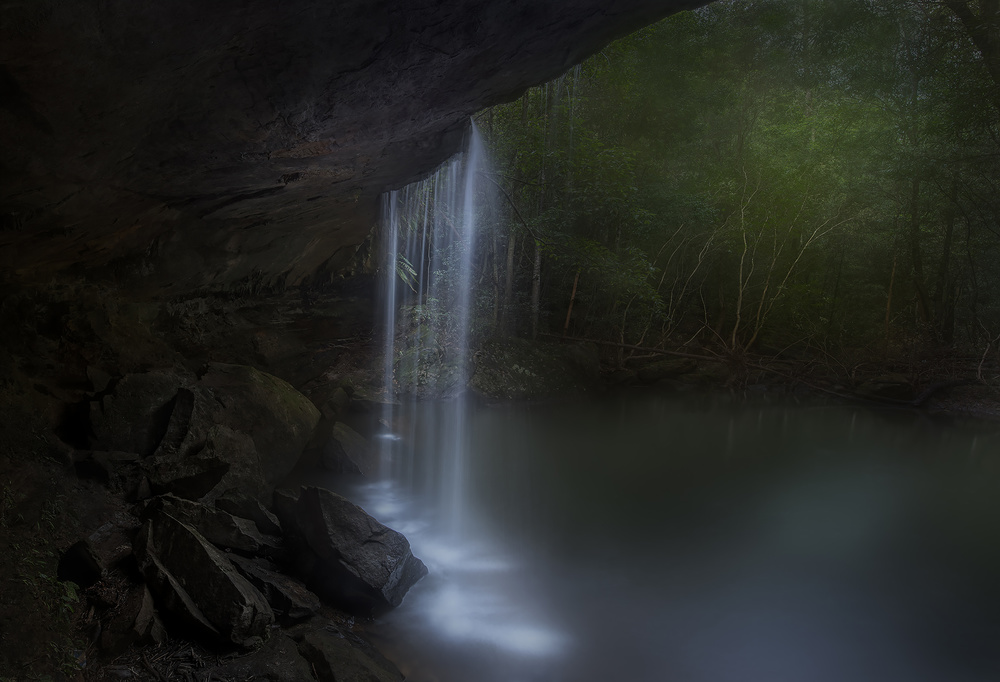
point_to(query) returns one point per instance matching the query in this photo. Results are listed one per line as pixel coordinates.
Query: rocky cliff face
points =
(172, 146)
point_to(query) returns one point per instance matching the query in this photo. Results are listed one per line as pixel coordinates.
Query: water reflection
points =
(650, 539)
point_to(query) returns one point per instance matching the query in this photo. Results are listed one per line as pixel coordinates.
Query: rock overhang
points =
(174, 148)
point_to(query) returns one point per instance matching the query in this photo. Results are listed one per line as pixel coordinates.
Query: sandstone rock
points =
(218, 527)
(238, 450)
(278, 418)
(196, 582)
(236, 426)
(238, 503)
(347, 556)
(152, 139)
(288, 598)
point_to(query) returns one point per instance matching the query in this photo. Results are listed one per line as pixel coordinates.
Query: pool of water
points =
(692, 539)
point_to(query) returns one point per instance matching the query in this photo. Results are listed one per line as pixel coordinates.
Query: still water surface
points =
(693, 539)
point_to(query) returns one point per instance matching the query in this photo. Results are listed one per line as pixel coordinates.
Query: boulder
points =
(198, 584)
(218, 527)
(279, 419)
(235, 427)
(345, 554)
(289, 599)
(239, 451)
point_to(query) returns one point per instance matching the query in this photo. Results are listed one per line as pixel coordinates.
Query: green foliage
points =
(757, 173)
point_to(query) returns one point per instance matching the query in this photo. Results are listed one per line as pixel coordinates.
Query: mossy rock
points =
(519, 369)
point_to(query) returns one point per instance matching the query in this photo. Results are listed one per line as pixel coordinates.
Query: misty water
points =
(693, 538)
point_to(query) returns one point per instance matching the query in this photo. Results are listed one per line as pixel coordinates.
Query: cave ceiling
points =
(172, 146)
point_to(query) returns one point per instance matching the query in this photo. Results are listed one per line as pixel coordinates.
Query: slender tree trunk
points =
(508, 286)
(496, 281)
(536, 290)
(944, 290)
(916, 254)
(888, 303)
(572, 297)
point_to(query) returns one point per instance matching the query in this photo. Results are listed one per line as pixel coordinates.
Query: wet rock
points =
(338, 657)
(288, 598)
(345, 554)
(348, 452)
(218, 527)
(197, 583)
(278, 660)
(238, 503)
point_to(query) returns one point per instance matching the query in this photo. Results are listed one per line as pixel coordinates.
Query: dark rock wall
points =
(173, 146)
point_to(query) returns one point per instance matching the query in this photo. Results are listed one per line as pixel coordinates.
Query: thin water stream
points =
(650, 538)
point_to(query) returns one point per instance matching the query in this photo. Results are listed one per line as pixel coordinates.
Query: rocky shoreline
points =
(149, 535)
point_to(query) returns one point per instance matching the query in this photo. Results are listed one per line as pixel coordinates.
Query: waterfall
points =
(429, 230)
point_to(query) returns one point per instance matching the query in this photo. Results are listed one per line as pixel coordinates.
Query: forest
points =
(810, 177)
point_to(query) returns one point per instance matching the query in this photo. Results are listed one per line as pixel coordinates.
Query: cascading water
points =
(430, 232)
(477, 594)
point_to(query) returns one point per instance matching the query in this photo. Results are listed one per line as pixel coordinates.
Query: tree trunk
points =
(572, 297)
(536, 289)
(944, 290)
(916, 254)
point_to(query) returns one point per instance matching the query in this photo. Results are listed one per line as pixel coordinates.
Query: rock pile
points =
(206, 556)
